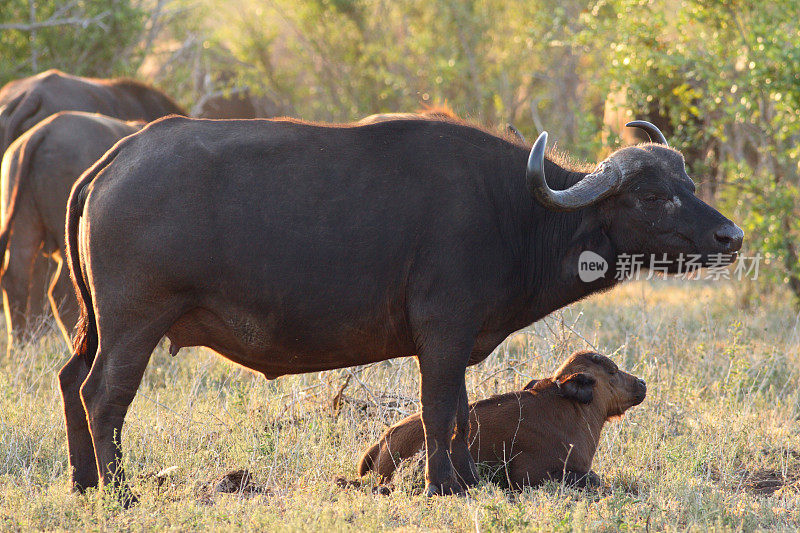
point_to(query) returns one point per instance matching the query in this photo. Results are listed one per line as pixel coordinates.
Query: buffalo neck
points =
(550, 248)
(588, 422)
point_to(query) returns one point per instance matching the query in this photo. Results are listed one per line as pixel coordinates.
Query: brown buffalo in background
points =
(36, 177)
(548, 431)
(431, 113)
(25, 102)
(237, 102)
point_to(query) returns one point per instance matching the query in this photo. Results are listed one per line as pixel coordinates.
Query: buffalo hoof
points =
(444, 489)
(582, 480)
(469, 481)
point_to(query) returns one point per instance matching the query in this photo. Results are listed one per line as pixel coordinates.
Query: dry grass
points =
(715, 445)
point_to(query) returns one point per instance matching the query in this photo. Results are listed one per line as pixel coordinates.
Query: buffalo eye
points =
(651, 198)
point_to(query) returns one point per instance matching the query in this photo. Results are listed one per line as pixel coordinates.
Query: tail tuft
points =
(84, 342)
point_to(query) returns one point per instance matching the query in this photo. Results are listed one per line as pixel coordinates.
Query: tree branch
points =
(52, 22)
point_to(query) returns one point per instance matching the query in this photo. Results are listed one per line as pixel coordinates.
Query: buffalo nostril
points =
(730, 236)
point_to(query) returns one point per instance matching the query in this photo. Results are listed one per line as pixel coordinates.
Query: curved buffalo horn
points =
(652, 131)
(591, 189)
(514, 131)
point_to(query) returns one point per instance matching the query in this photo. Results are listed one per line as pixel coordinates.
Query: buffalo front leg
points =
(83, 466)
(442, 366)
(459, 449)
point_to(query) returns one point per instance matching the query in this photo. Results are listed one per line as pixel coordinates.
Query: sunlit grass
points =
(715, 445)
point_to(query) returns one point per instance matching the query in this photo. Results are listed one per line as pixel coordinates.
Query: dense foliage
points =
(85, 37)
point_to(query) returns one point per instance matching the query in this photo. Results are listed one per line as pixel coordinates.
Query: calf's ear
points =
(578, 387)
(530, 384)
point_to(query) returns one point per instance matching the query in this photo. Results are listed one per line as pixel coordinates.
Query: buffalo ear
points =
(532, 383)
(578, 387)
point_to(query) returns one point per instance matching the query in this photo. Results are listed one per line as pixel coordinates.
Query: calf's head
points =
(644, 203)
(590, 378)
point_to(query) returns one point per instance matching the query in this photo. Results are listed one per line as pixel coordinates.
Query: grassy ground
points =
(715, 445)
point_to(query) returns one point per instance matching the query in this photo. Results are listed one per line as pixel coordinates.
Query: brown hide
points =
(432, 113)
(549, 430)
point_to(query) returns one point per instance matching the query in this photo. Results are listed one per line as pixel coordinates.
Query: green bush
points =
(95, 37)
(725, 74)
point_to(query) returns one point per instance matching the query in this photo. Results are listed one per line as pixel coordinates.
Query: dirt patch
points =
(785, 453)
(766, 482)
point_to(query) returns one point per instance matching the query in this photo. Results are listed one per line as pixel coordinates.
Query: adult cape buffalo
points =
(27, 101)
(36, 177)
(291, 247)
(37, 174)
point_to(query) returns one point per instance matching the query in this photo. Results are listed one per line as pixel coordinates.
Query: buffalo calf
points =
(549, 430)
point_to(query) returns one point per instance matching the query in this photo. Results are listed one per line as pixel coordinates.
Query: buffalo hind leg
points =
(62, 300)
(17, 280)
(83, 466)
(109, 390)
(459, 450)
(442, 365)
(38, 308)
